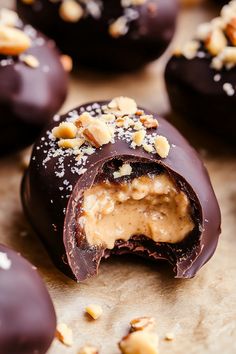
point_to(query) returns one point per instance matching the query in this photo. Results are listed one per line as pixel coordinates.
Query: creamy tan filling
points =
(148, 205)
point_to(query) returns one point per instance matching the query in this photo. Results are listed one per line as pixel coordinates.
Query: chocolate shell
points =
(201, 86)
(27, 316)
(53, 186)
(33, 86)
(140, 34)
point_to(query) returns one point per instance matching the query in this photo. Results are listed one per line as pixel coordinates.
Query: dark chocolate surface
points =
(27, 316)
(52, 193)
(29, 96)
(197, 97)
(88, 41)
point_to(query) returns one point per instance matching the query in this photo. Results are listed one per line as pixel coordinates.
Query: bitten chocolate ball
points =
(106, 34)
(201, 77)
(33, 83)
(27, 316)
(110, 178)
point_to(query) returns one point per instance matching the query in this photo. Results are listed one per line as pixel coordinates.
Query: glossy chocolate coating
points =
(198, 98)
(27, 316)
(29, 96)
(52, 203)
(89, 42)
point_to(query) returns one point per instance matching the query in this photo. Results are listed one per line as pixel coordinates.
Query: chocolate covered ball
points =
(27, 316)
(201, 76)
(111, 178)
(106, 34)
(33, 82)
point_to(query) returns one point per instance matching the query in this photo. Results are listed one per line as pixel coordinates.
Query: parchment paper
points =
(200, 312)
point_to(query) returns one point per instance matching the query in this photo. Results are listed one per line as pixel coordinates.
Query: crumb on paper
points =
(169, 336)
(88, 350)
(64, 334)
(141, 323)
(95, 311)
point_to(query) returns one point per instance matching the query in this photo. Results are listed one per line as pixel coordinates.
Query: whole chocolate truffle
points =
(110, 178)
(106, 34)
(33, 83)
(201, 77)
(27, 316)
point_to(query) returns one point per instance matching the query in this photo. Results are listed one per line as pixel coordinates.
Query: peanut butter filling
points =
(148, 205)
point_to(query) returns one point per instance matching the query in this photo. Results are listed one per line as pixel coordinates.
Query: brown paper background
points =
(202, 311)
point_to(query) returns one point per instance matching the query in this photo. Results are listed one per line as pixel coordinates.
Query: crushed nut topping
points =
(65, 130)
(67, 62)
(8, 18)
(64, 334)
(13, 41)
(121, 106)
(16, 38)
(95, 311)
(162, 146)
(88, 350)
(213, 36)
(97, 133)
(89, 129)
(215, 40)
(119, 27)
(30, 60)
(71, 11)
(231, 31)
(148, 121)
(138, 137)
(71, 143)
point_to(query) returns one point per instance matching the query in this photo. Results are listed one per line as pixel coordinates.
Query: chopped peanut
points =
(138, 137)
(13, 41)
(88, 350)
(8, 17)
(162, 146)
(83, 120)
(71, 11)
(121, 106)
(65, 130)
(148, 121)
(95, 311)
(67, 62)
(190, 49)
(64, 334)
(138, 126)
(231, 31)
(169, 336)
(148, 148)
(109, 118)
(124, 170)
(216, 42)
(30, 60)
(71, 143)
(139, 342)
(97, 133)
(118, 27)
